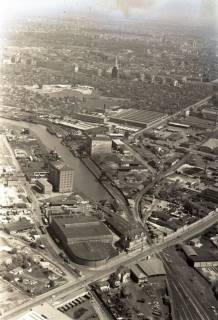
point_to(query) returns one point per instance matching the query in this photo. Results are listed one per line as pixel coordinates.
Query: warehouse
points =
(153, 268)
(137, 274)
(42, 311)
(210, 194)
(188, 250)
(18, 226)
(123, 228)
(204, 258)
(74, 229)
(138, 118)
(132, 235)
(61, 176)
(86, 240)
(198, 123)
(91, 253)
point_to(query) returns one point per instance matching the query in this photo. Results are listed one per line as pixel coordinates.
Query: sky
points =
(192, 10)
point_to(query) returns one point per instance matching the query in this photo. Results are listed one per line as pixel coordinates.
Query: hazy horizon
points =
(182, 11)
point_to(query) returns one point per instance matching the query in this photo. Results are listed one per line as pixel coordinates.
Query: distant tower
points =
(76, 68)
(195, 45)
(115, 69)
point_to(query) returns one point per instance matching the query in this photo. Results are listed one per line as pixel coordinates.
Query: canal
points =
(84, 181)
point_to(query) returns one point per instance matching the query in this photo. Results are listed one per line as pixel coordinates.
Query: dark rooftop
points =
(82, 228)
(92, 251)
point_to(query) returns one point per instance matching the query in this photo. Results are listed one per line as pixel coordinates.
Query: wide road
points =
(124, 259)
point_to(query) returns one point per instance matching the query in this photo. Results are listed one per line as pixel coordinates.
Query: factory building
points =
(43, 311)
(44, 186)
(61, 177)
(200, 258)
(86, 239)
(71, 229)
(132, 235)
(136, 118)
(153, 268)
(137, 274)
(210, 194)
(101, 144)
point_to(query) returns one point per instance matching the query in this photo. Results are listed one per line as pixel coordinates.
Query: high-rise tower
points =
(115, 69)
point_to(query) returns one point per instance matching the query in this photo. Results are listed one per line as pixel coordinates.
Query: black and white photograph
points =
(109, 160)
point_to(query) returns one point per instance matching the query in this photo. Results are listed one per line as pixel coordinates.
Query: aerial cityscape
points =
(109, 160)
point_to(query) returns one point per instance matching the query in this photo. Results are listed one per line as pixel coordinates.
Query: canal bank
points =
(85, 182)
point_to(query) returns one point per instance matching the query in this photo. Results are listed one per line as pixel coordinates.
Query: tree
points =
(8, 277)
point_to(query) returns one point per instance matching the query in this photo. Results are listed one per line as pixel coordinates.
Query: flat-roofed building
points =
(18, 226)
(137, 118)
(188, 250)
(42, 312)
(75, 229)
(101, 144)
(203, 259)
(87, 240)
(137, 274)
(210, 194)
(44, 186)
(61, 177)
(153, 268)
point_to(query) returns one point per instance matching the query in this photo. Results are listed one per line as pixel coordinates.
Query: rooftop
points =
(92, 251)
(153, 267)
(44, 181)
(137, 272)
(124, 227)
(101, 138)
(20, 225)
(204, 256)
(60, 165)
(4, 242)
(138, 116)
(212, 143)
(79, 228)
(42, 312)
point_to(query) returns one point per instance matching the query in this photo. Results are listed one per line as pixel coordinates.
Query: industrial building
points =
(210, 113)
(101, 144)
(197, 123)
(203, 259)
(90, 253)
(199, 258)
(86, 239)
(210, 194)
(137, 274)
(43, 311)
(138, 118)
(18, 226)
(153, 268)
(71, 229)
(61, 177)
(132, 234)
(88, 117)
(44, 186)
